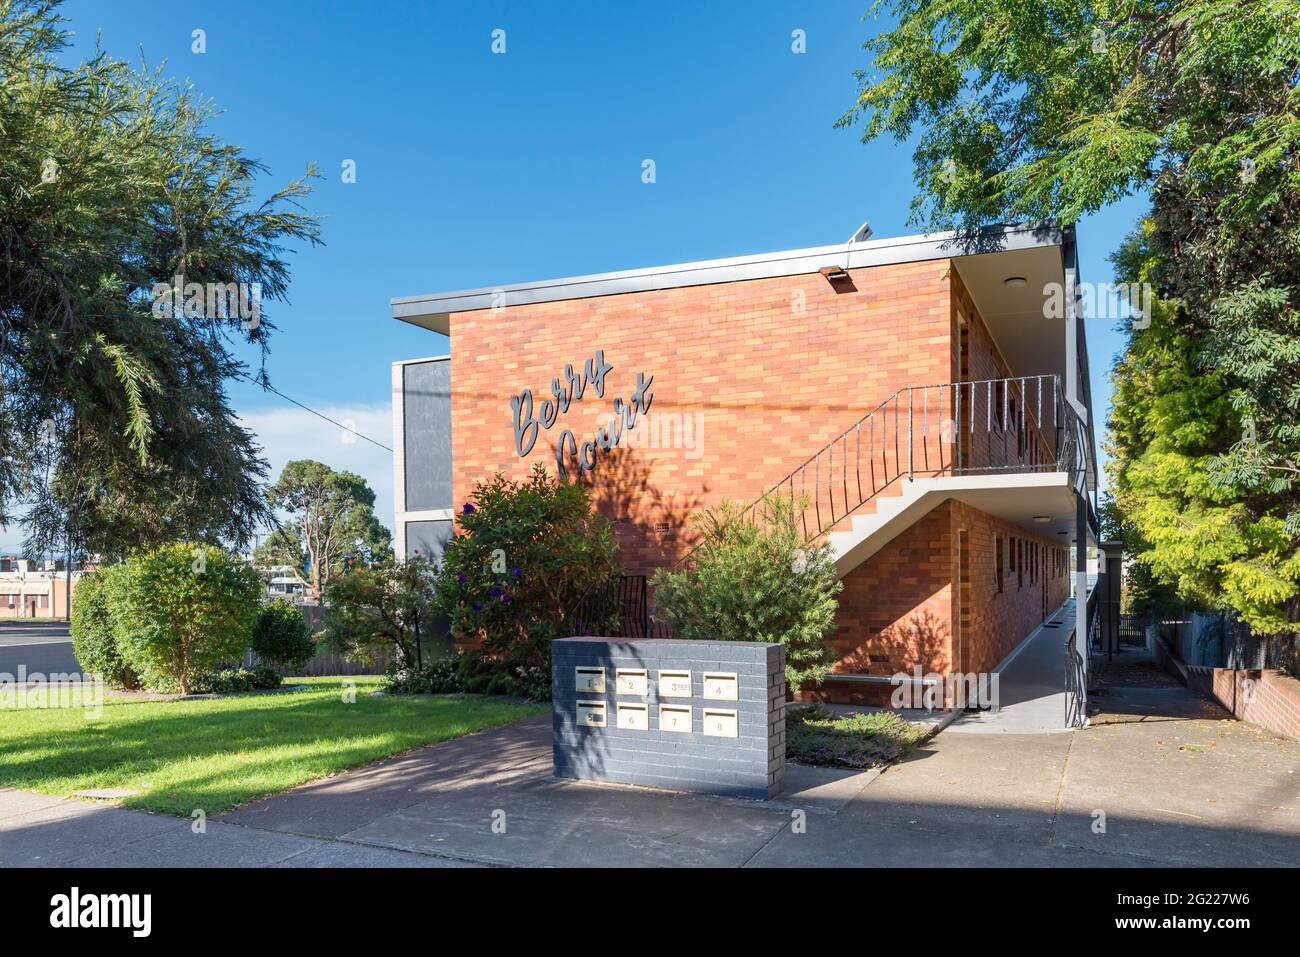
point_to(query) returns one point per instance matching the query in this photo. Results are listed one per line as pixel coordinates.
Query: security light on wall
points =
(833, 273)
(862, 234)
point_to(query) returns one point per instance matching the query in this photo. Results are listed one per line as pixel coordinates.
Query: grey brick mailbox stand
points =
(705, 716)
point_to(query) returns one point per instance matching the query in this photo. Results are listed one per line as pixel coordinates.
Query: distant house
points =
(285, 583)
(30, 589)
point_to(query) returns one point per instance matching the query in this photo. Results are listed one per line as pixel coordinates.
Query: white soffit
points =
(1031, 343)
(433, 311)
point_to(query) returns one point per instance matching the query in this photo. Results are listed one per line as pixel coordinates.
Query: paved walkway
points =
(1160, 778)
(1031, 686)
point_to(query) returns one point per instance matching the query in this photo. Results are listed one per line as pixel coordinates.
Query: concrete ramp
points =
(1031, 683)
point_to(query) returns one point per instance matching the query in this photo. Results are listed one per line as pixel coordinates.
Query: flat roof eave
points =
(433, 311)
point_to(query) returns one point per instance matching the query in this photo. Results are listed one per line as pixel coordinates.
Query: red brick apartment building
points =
(927, 396)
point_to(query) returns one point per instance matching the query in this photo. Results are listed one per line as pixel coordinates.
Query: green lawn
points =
(216, 753)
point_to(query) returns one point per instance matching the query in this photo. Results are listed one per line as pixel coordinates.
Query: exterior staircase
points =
(923, 445)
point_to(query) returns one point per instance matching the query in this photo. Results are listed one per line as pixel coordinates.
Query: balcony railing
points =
(962, 428)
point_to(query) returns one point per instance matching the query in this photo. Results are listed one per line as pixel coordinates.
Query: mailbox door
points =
(633, 681)
(721, 723)
(633, 717)
(721, 685)
(675, 717)
(674, 684)
(591, 714)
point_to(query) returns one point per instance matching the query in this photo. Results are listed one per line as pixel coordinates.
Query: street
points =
(41, 645)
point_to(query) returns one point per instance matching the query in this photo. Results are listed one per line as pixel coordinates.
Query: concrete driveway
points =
(1161, 778)
(40, 645)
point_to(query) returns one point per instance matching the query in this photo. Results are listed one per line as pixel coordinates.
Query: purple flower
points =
(460, 579)
(505, 598)
(478, 606)
(516, 572)
(469, 508)
(494, 591)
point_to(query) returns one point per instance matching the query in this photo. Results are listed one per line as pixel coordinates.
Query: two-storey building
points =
(926, 399)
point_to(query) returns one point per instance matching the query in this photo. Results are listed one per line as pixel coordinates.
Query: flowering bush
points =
(529, 555)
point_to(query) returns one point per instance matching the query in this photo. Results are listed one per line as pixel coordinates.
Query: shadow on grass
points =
(216, 753)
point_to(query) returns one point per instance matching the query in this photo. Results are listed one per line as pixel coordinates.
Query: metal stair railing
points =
(1020, 424)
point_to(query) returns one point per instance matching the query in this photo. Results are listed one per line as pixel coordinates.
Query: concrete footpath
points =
(1160, 778)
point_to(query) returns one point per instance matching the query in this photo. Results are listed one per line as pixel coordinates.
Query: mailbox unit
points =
(706, 716)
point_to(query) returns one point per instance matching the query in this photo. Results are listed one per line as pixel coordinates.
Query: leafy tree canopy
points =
(332, 521)
(115, 427)
(1054, 109)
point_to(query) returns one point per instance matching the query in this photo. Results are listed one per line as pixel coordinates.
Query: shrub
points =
(93, 640)
(814, 735)
(444, 676)
(280, 636)
(470, 673)
(181, 610)
(375, 607)
(227, 680)
(755, 581)
(528, 557)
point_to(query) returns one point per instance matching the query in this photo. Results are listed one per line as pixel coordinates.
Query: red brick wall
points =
(1265, 698)
(998, 621)
(777, 368)
(899, 608)
(896, 607)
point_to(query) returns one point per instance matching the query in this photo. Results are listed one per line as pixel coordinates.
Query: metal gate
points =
(1131, 632)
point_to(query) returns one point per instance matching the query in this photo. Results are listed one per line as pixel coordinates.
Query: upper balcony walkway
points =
(1013, 447)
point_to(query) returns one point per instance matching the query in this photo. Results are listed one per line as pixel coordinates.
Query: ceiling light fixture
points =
(1042, 518)
(833, 273)
(1015, 282)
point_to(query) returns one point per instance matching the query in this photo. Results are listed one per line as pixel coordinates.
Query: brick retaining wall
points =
(1264, 697)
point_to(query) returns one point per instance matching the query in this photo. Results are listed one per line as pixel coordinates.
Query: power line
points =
(319, 415)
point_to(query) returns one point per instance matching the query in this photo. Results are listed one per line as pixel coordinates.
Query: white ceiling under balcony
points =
(1031, 343)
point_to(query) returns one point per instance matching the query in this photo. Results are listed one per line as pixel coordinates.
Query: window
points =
(1020, 563)
(997, 561)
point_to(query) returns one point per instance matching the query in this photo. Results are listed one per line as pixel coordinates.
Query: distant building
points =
(285, 583)
(30, 589)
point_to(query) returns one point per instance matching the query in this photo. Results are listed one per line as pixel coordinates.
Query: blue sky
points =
(475, 169)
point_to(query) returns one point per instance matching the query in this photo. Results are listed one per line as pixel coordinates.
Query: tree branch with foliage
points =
(332, 520)
(1053, 110)
(111, 183)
